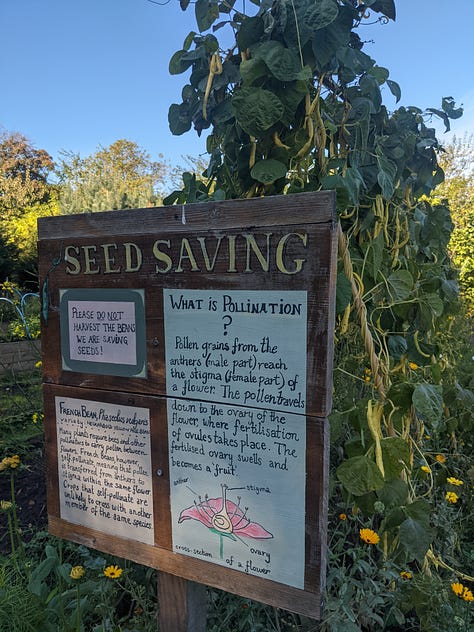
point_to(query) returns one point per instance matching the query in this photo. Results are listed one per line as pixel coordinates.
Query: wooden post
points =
(182, 604)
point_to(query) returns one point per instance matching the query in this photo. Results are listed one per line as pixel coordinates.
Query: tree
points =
(116, 177)
(21, 234)
(24, 172)
(457, 160)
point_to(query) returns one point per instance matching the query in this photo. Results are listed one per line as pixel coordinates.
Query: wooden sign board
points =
(187, 357)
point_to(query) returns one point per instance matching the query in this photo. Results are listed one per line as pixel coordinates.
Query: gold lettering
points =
(231, 267)
(162, 256)
(280, 253)
(129, 267)
(88, 260)
(202, 242)
(68, 258)
(251, 244)
(185, 245)
(108, 259)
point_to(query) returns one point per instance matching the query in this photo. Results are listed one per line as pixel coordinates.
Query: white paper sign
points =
(237, 479)
(104, 467)
(102, 331)
(237, 347)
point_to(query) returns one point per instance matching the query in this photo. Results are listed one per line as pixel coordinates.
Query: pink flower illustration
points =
(224, 518)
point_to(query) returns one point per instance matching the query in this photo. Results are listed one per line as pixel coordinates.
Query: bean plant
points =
(292, 102)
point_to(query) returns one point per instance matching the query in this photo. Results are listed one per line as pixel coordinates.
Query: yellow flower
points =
(440, 458)
(452, 497)
(462, 591)
(425, 468)
(406, 575)
(76, 572)
(342, 516)
(9, 461)
(113, 572)
(39, 364)
(5, 505)
(467, 594)
(454, 481)
(14, 461)
(369, 536)
(413, 366)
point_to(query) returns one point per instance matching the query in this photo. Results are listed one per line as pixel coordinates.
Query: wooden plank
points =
(160, 555)
(256, 588)
(315, 278)
(182, 604)
(299, 208)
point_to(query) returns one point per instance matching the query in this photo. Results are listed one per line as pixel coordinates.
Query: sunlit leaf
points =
(267, 171)
(256, 109)
(360, 475)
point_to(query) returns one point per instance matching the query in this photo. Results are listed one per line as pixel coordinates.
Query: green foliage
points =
(457, 161)
(116, 177)
(21, 233)
(19, 609)
(19, 313)
(24, 172)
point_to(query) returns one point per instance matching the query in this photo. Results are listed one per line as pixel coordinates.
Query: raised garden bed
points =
(20, 356)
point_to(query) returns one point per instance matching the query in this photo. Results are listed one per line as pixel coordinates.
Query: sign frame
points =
(86, 254)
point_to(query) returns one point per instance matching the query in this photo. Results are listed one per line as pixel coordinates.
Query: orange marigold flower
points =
(342, 516)
(454, 481)
(462, 592)
(467, 594)
(452, 497)
(369, 536)
(406, 575)
(440, 458)
(413, 366)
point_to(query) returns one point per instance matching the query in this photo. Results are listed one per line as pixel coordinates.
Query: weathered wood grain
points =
(300, 208)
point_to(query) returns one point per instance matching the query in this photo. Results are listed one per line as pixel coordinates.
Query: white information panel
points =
(237, 479)
(104, 467)
(235, 347)
(102, 331)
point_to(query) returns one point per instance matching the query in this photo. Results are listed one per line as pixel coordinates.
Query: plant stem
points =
(78, 610)
(12, 541)
(15, 518)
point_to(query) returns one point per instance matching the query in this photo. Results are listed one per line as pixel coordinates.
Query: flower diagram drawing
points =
(224, 518)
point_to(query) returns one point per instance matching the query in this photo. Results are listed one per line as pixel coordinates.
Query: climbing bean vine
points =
(291, 103)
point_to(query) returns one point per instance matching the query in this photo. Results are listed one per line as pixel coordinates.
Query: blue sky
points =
(76, 74)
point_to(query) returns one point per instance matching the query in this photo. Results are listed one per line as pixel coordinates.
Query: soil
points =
(30, 496)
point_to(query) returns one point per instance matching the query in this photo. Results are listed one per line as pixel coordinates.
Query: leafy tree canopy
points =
(24, 172)
(115, 177)
(457, 160)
